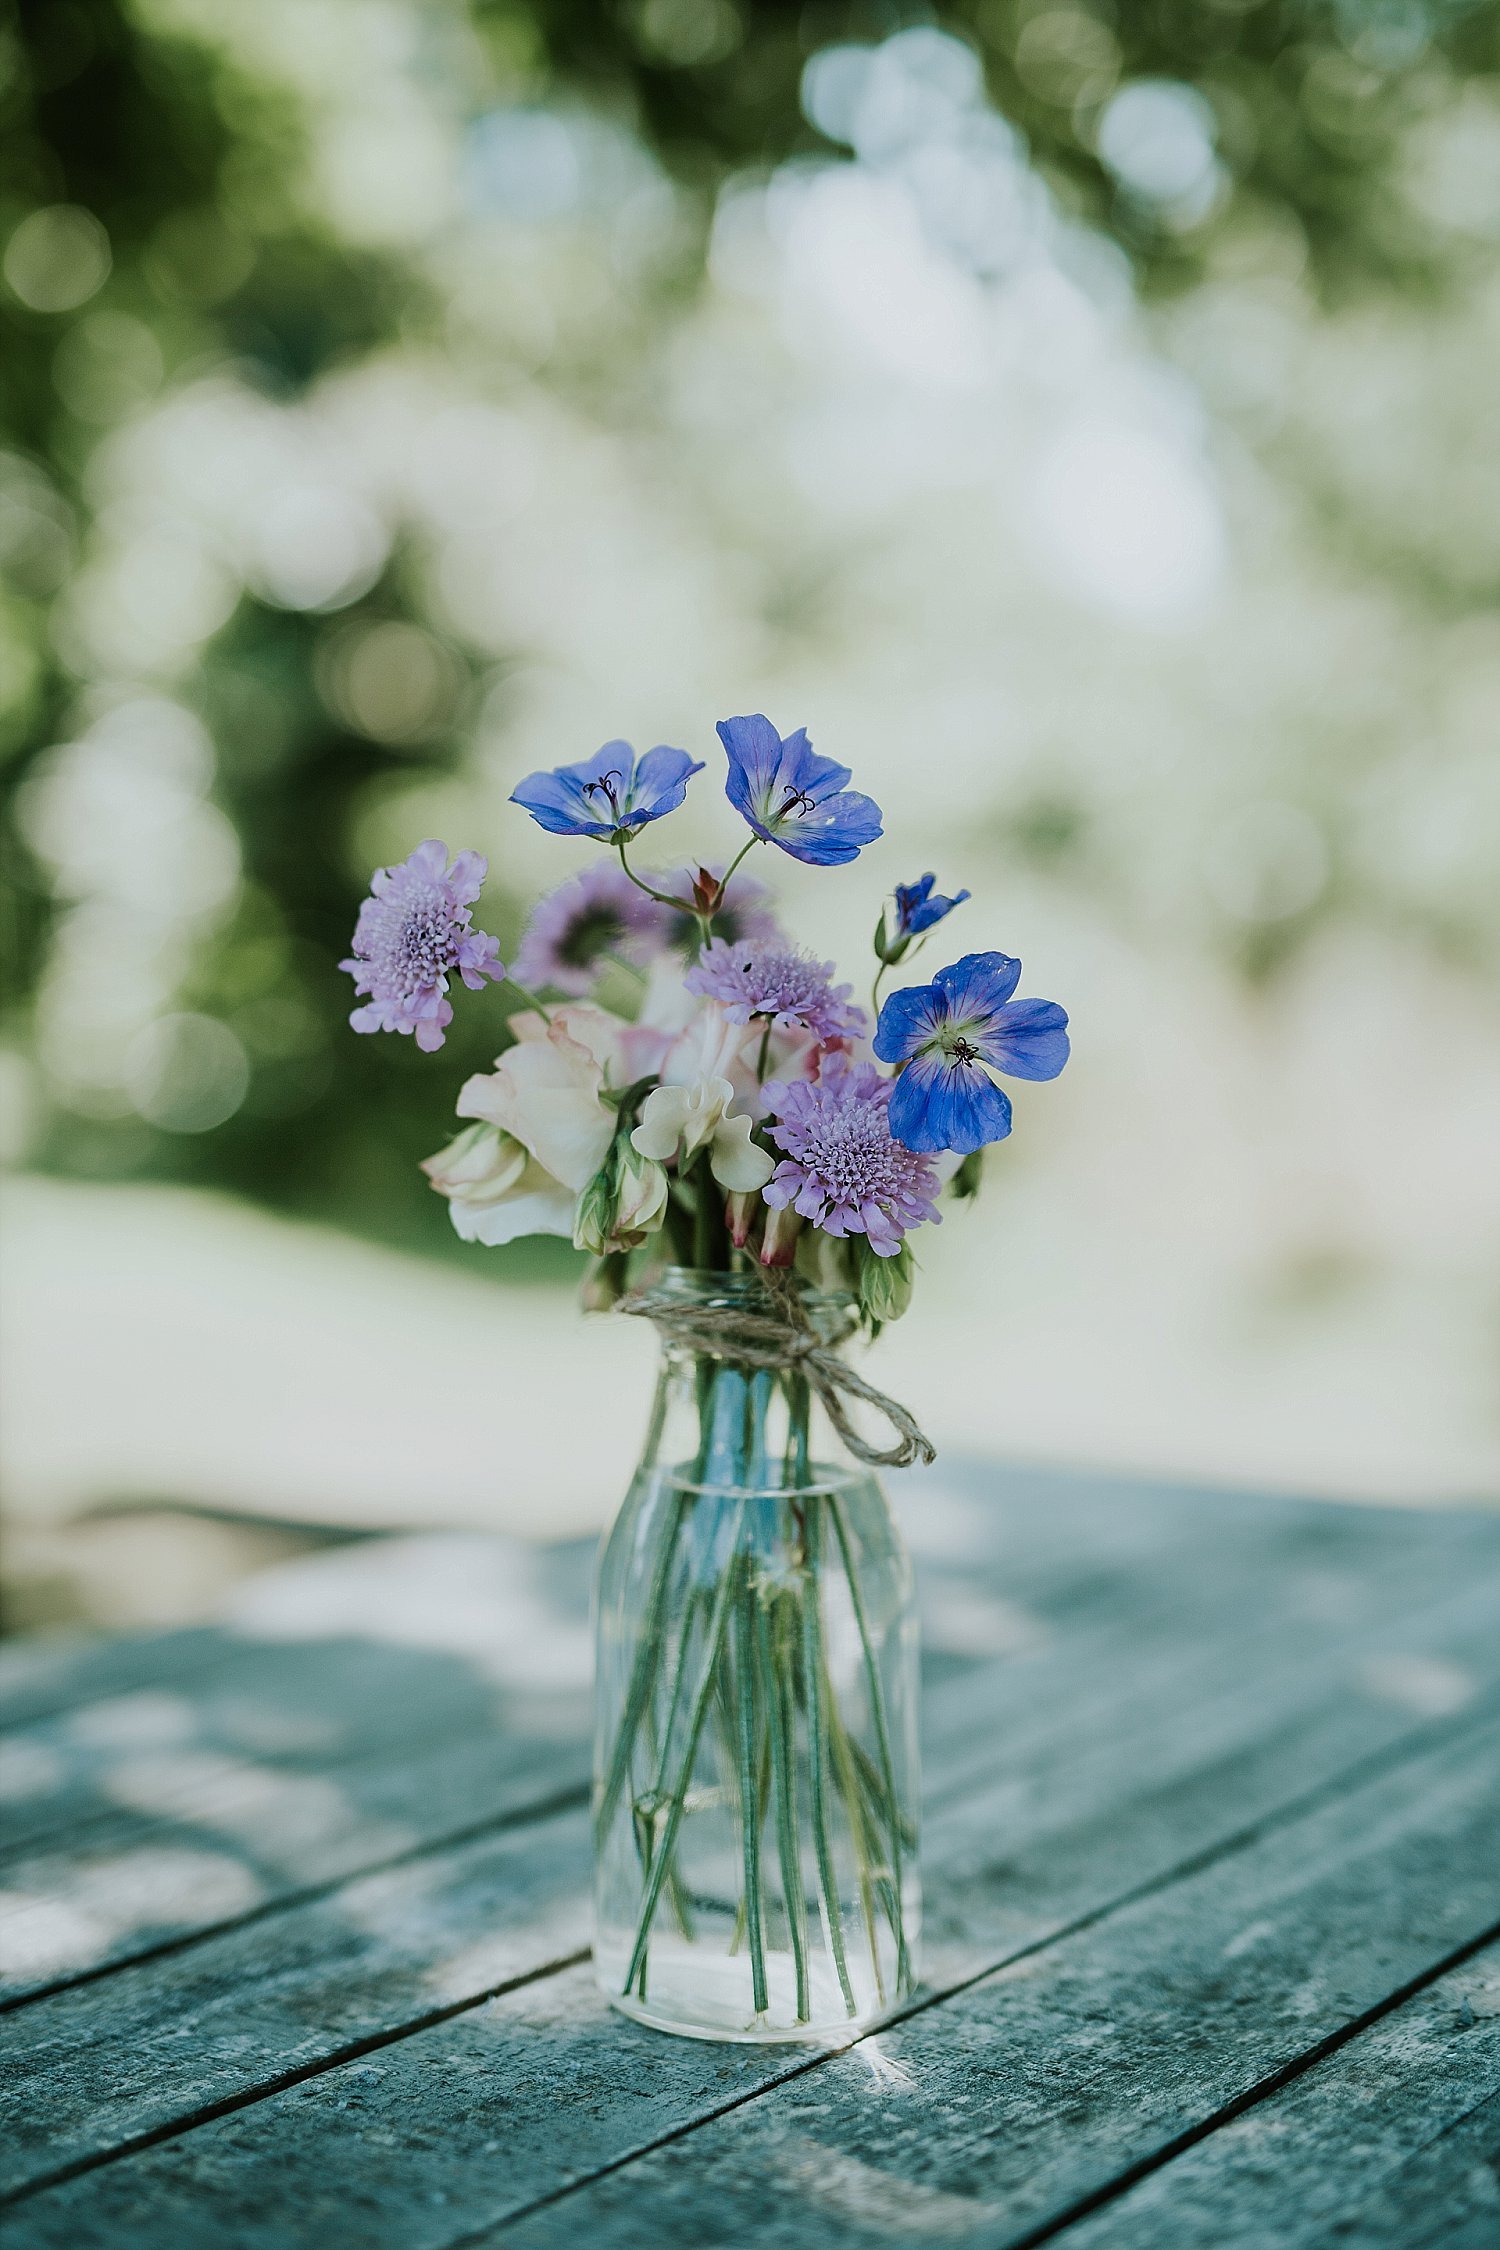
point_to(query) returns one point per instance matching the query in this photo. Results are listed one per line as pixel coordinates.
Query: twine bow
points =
(780, 1335)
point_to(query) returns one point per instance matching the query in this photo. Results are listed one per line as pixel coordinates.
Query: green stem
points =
(875, 1796)
(798, 1408)
(750, 1806)
(710, 1234)
(848, 1787)
(775, 1671)
(817, 1755)
(662, 898)
(713, 1640)
(647, 1655)
(882, 1731)
(732, 870)
(645, 1825)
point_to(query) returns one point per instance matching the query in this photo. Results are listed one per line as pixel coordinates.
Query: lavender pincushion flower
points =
(413, 934)
(597, 912)
(842, 1168)
(792, 989)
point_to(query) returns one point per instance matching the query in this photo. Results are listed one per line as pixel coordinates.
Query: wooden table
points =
(296, 1918)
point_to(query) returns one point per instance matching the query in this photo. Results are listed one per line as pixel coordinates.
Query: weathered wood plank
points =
(44, 1674)
(1027, 1521)
(989, 2119)
(1100, 1779)
(1383, 2126)
(226, 1822)
(506, 2065)
(261, 1837)
(1447, 2197)
(358, 1651)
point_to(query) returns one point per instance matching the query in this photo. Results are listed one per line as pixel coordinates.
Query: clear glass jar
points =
(755, 1773)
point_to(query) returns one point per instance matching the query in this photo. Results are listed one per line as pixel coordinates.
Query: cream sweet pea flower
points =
(496, 1190)
(544, 1092)
(679, 1120)
(694, 1106)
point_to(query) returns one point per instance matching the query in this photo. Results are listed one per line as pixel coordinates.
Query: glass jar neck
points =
(724, 1422)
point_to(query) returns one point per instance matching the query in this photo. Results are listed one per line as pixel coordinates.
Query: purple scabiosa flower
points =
(413, 934)
(950, 1035)
(843, 1169)
(596, 912)
(609, 796)
(795, 991)
(794, 798)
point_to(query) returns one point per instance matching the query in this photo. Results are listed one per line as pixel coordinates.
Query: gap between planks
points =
(481, 2238)
(942, 1785)
(1251, 2098)
(285, 1902)
(1430, 1738)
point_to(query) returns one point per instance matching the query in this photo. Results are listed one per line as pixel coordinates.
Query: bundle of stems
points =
(734, 1672)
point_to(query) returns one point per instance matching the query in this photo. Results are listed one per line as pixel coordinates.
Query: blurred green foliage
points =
(191, 163)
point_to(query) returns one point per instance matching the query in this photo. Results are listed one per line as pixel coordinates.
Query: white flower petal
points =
(545, 1093)
(736, 1161)
(663, 1116)
(547, 1210)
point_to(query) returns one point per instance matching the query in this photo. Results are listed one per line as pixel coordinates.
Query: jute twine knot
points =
(779, 1335)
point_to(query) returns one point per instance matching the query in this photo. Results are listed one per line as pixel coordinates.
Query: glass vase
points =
(755, 1776)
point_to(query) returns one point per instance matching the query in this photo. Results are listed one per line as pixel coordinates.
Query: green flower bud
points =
(884, 1284)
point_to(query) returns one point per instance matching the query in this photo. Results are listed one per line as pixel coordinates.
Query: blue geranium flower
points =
(794, 798)
(951, 1034)
(917, 910)
(608, 795)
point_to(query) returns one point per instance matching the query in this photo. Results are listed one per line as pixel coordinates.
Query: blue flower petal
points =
(1029, 1039)
(802, 768)
(571, 801)
(554, 804)
(792, 797)
(911, 905)
(907, 1021)
(917, 910)
(661, 782)
(978, 985)
(835, 832)
(937, 1104)
(753, 748)
(613, 758)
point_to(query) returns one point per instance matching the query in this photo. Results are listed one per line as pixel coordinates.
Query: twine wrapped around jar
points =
(779, 1336)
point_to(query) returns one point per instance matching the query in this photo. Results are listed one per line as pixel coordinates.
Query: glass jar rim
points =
(708, 1285)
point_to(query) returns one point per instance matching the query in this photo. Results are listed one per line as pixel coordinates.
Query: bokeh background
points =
(1081, 414)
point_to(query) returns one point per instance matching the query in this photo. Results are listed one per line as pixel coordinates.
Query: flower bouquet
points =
(690, 1097)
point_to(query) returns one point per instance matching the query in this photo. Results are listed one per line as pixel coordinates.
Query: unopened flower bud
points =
(478, 1168)
(779, 1244)
(624, 1202)
(741, 1211)
(641, 1200)
(593, 1220)
(890, 944)
(708, 891)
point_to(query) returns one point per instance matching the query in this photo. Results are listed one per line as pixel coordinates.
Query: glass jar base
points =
(695, 1995)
